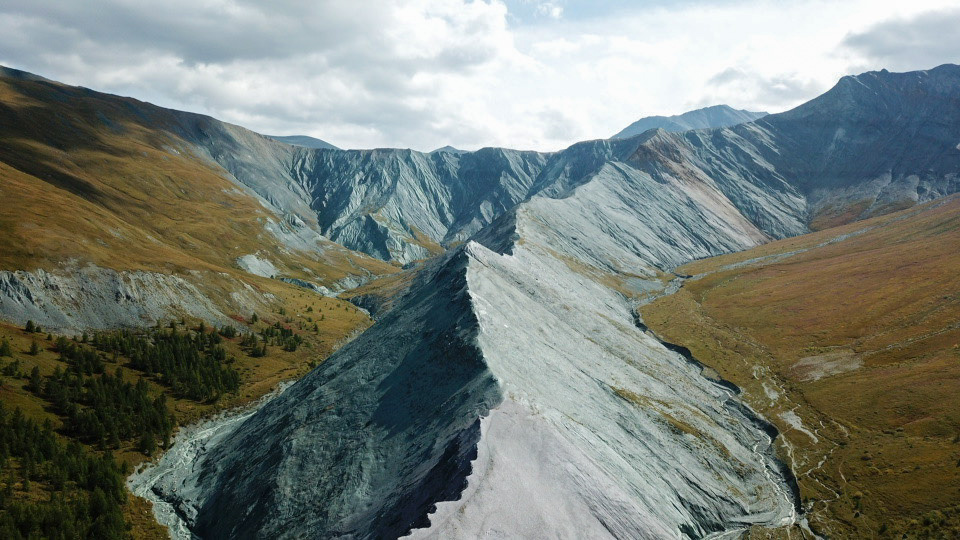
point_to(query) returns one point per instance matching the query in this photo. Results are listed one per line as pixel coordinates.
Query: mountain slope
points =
(303, 140)
(717, 116)
(512, 376)
(122, 217)
(401, 204)
(846, 339)
(876, 142)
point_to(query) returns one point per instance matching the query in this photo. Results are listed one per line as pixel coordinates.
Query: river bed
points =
(190, 443)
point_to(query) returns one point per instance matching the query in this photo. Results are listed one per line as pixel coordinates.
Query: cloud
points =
(764, 91)
(906, 43)
(379, 70)
(550, 9)
(538, 74)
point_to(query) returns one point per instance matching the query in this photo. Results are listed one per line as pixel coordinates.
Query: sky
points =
(526, 74)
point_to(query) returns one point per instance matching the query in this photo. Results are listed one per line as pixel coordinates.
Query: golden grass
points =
(833, 216)
(104, 180)
(336, 320)
(424, 241)
(886, 430)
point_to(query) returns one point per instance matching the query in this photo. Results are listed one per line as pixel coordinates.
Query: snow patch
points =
(257, 266)
(796, 423)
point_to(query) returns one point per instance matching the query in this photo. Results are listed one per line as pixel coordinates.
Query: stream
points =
(190, 443)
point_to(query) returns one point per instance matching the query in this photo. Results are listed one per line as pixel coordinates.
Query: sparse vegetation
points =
(856, 339)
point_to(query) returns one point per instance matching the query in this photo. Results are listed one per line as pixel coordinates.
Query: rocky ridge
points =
(716, 116)
(514, 389)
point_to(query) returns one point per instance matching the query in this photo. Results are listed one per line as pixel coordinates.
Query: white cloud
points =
(424, 73)
(550, 9)
(904, 43)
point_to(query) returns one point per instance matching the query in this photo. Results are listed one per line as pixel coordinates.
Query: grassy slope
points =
(101, 179)
(340, 320)
(859, 338)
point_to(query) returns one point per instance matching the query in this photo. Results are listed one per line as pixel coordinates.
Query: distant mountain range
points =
(449, 149)
(304, 141)
(717, 116)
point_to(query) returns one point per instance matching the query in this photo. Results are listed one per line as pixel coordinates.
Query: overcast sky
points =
(425, 73)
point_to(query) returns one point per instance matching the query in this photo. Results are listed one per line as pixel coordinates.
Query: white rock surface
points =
(590, 426)
(259, 267)
(91, 297)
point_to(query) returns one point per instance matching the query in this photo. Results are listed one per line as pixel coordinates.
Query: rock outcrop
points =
(509, 392)
(74, 300)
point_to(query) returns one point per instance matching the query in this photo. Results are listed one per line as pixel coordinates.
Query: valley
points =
(846, 339)
(745, 329)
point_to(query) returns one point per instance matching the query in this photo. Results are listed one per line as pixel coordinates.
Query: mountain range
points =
(303, 140)
(785, 173)
(510, 387)
(716, 116)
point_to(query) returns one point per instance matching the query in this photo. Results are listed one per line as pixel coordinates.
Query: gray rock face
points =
(717, 116)
(304, 141)
(381, 201)
(91, 297)
(507, 393)
(380, 431)
(883, 138)
(389, 203)
(876, 141)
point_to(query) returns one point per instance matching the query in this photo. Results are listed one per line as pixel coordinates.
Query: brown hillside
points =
(848, 340)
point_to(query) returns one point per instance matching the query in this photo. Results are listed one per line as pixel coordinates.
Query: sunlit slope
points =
(93, 180)
(847, 339)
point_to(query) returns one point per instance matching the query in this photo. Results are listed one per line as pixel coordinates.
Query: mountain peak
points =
(882, 94)
(448, 149)
(12, 73)
(714, 116)
(303, 140)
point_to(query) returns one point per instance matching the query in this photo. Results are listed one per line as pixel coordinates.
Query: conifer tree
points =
(35, 380)
(148, 445)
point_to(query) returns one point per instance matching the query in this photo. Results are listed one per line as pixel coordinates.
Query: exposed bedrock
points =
(72, 300)
(504, 394)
